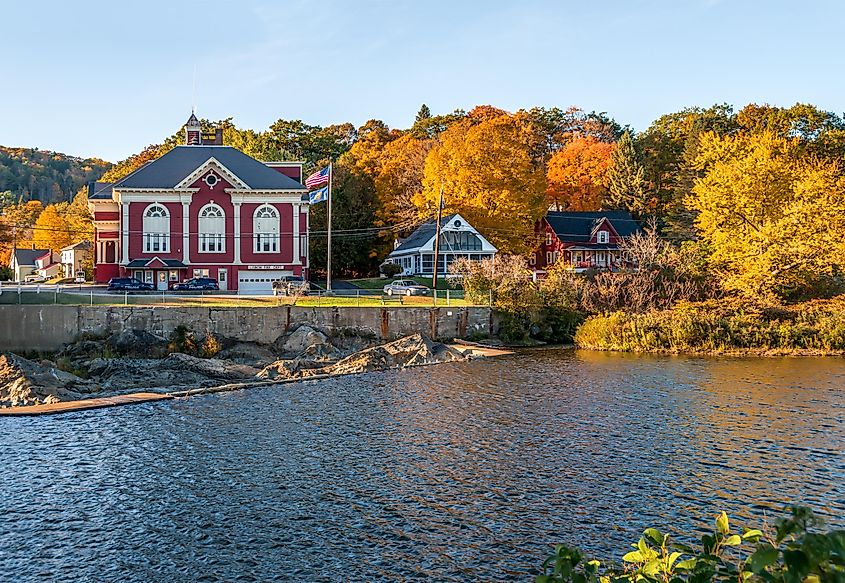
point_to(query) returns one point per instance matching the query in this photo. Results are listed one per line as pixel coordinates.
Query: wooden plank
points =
(84, 404)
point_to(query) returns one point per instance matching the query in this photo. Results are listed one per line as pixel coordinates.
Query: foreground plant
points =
(793, 553)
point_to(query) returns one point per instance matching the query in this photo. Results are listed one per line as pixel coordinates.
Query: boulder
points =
(122, 374)
(297, 341)
(248, 353)
(24, 382)
(411, 350)
(213, 368)
(137, 344)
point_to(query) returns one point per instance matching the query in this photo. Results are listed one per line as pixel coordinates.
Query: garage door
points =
(259, 282)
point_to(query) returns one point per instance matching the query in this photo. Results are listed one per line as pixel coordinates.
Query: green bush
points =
(792, 553)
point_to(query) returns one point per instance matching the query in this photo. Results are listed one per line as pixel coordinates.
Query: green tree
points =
(423, 114)
(626, 178)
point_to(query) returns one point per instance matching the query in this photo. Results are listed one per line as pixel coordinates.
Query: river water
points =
(459, 472)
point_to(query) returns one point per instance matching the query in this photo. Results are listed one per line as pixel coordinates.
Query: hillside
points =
(46, 176)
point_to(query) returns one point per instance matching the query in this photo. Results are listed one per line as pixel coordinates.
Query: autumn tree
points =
(626, 178)
(400, 179)
(51, 230)
(773, 214)
(487, 174)
(577, 175)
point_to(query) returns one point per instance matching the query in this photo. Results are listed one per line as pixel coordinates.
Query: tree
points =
(51, 230)
(400, 179)
(486, 174)
(773, 214)
(626, 178)
(577, 175)
(423, 114)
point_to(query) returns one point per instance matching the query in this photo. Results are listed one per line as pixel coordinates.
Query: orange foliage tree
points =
(51, 230)
(577, 175)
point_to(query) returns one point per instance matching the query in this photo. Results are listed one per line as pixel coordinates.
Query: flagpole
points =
(329, 240)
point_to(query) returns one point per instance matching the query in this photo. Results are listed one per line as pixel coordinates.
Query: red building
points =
(203, 209)
(583, 240)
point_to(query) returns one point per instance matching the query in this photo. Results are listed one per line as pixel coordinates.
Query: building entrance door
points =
(161, 281)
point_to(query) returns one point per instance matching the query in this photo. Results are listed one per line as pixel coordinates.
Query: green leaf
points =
(733, 541)
(752, 535)
(633, 557)
(722, 524)
(654, 535)
(764, 556)
(672, 558)
(687, 565)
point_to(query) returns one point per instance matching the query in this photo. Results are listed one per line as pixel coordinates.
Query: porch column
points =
(124, 232)
(186, 227)
(297, 256)
(237, 243)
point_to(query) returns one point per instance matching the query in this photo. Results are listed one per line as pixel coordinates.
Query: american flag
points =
(318, 178)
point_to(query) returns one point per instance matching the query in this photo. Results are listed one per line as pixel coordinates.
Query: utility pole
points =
(437, 246)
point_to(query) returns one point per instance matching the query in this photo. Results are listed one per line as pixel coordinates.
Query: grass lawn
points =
(380, 282)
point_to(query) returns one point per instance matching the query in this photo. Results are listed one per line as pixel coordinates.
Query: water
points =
(459, 472)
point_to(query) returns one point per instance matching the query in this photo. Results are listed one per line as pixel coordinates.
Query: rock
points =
(24, 382)
(121, 374)
(411, 350)
(209, 367)
(137, 344)
(297, 341)
(248, 353)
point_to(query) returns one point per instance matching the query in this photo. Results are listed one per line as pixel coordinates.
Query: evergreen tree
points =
(423, 114)
(626, 182)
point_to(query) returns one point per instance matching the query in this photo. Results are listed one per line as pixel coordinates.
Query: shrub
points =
(182, 340)
(391, 269)
(210, 346)
(792, 553)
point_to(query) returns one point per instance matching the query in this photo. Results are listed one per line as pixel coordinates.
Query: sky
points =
(107, 78)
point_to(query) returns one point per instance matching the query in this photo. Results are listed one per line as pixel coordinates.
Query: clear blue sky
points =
(107, 78)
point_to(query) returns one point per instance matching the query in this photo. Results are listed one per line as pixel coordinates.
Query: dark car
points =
(290, 285)
(197, 284)
(129, 284)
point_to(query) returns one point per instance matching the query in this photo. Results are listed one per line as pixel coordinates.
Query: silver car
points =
(405, 287)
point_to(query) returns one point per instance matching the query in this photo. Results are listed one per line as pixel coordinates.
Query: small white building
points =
(73, 257)
(32, 262)
(415, 254)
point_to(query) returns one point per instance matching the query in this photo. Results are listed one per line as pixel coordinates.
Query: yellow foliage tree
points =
(577, 175)
(487, 175)
(400, 179)
(773, 214)
(51, 230)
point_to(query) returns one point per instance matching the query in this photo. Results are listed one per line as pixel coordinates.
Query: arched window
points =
(265, 229)
(212, 229)
(156, 229)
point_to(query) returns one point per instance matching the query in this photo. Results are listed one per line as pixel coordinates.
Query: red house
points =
(583, 240)
(203, 209)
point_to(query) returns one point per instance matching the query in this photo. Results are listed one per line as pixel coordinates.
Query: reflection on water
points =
(457, 472)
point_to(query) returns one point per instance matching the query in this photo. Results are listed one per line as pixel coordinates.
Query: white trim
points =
(214, 164)
(219, 237)
(158, 236)
(238, 242)
(275, 241)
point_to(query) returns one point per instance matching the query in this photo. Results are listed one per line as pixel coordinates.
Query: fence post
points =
(125, 298)
(56, 294)
(490, 298)
(448, 298)
(358, 298)
(319, 297)
(92, 297)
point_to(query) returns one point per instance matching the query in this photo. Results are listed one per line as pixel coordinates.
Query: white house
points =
(415, 254)
(73, 256)
(27, 262)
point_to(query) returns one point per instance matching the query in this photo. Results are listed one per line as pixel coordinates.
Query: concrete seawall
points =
(47, 328)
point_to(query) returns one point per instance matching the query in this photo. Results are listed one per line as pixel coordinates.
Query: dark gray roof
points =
(578, 226)
(28, 256)
(99, 190)
(422, 235)
(84, 244)
(170, 169)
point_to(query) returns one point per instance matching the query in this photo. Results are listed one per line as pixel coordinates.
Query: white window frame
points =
(211, 240)
(266, 241)
(603, 237)
(548, 238)
(156, 241)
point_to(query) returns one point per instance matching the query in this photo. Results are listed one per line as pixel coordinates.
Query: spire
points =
(193, 131)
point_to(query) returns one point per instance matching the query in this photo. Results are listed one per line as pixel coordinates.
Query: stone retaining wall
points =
(26, 328)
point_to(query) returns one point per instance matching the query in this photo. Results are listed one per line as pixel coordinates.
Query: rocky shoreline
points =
(135, 360)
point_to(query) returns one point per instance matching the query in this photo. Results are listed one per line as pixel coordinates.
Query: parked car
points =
(405, 287)
(35, 278)
(290, 285)
(196, 284)
(129, 284)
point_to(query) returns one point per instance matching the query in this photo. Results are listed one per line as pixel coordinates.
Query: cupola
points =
(193, 131)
